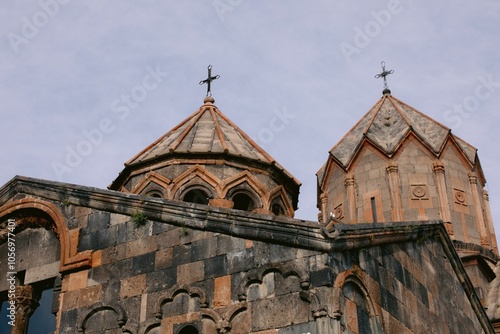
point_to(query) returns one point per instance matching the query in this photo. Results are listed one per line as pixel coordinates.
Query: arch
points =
(196, 194)
(149, 178)
(121, 317)
(277, 195)
(224, 321)
(188, 329)
(255, 276)
(231, 185)
(70, 259)
(188, 178)
(176, 290)
(355, 280)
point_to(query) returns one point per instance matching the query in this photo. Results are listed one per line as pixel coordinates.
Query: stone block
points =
(132, 286)
(117, 219)
(96, 258)
(222, 291)
(240, 261)
(278, 312)
(141, 246)
(203, 249)
(191, 272)
(322, 277)
(161, 280)
(98, 220)
(143, 263)
(41, 273)
(215, 266)
(164, 258)
(77, 280)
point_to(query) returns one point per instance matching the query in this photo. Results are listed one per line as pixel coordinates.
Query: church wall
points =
(148, 276)
(463, 211)
(418, 185)
(371, 182)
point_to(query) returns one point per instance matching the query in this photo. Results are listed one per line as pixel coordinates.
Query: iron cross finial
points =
(209, 79)
(384, 74)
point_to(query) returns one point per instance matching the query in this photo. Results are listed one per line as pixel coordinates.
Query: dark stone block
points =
(422, 294)
(281, 253)
(158, 228)
(114, 271)
(84, 242)
(322, 277)
(203, 249)
(240, 261)
(181, 254)
(100, 239)
(143, 263)
(389, 302)
(69, 320)
(161, 280)
(216, 266)
(98, 221)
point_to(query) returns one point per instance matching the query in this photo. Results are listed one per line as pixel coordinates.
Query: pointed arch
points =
(357, 280)
(152, 177)
(241, 178)
(70, 259)
(182, 181)
(279, 194)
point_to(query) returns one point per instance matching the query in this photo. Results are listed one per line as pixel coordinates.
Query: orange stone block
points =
(222, 291)
(77, 280)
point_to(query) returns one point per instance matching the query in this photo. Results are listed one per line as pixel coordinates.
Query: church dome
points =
(398, 164)
(207, 159)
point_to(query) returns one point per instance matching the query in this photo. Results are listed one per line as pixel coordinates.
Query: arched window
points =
(358, 314)
(155, 193)
(243, 201)
(197, 196)
(188, 329)
(277, 209)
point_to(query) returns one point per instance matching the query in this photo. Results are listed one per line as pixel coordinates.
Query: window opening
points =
(243, 201)
(188, 329)
(277, 209)
(4, 326)
(374, 209)
(197, 196)
(43, 321)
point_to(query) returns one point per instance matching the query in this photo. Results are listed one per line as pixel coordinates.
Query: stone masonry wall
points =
(154, 276)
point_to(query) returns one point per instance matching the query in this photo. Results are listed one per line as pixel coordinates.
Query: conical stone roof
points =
(386, 125)
(208, 130)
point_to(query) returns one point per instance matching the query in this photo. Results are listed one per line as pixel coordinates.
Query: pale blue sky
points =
(67, 68)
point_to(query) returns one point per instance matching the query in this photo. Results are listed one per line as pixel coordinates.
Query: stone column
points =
(27, 300)
(444, 204)
(350, 186)
(479, 210)
(489, 219)
(397, 207)
(324, 214)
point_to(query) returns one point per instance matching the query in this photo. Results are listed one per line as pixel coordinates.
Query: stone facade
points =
(228, 271)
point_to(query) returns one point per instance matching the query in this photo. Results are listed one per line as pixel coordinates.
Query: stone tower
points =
(397, 164)
(207, 159)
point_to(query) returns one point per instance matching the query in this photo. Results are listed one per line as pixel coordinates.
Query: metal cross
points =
(384, 74)
(209, 80)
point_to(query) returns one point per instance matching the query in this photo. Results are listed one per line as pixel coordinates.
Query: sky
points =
(84, 86)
